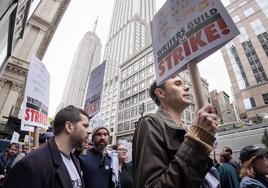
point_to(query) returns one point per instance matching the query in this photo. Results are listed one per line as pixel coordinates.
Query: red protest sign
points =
(187, 31)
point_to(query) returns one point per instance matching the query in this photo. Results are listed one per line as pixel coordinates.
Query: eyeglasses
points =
(122, 149)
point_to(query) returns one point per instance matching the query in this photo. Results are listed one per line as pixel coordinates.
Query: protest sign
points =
(36, 97)
(185, 31)
(94, 90)
(15, 137)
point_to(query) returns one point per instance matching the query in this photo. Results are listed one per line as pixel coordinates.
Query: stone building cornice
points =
(51, 28)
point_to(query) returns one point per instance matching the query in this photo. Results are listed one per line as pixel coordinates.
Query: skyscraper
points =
(129, 33)
(246, 57)
(86, 58)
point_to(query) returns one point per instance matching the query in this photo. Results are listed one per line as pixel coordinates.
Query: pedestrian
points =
(6, 160)
(24, 152)
(53, 165)
(228, 175)
(255, 167)
(232, 161)
(164, 155)
(97, 164)
(125, 169)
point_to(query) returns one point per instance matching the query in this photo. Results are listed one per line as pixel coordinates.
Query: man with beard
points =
(53, 165)
(96, 163)
(165, 153)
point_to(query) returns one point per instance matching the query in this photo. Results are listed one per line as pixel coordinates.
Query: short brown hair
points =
(226, 156)
(69, 113)
(152, 94)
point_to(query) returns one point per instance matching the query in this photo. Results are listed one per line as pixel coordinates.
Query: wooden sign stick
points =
(197, 85)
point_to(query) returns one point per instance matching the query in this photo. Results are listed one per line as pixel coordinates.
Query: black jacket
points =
(42, 168)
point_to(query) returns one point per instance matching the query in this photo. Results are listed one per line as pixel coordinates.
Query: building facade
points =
(246, 57)
(129, 33)
(137, 74)
(38, 33)
(86, 58)
(221, 103)
(13, 17)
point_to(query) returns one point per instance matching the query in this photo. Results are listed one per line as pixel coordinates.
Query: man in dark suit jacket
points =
(53, 165)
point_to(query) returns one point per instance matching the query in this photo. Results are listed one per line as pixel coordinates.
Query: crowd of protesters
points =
(165, 153)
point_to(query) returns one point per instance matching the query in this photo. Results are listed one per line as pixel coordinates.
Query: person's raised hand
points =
(207, 119)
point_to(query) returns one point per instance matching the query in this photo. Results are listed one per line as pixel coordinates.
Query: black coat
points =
(42, 168)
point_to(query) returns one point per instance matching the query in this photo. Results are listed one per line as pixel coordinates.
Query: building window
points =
(127, 114)
(128, 91)
(243, 35)
(121, 105)
(263, 4)
(134, 111)
(120, 116)
(249, 103)
(254, 62)
(265, 98)
(142, 84)
(236, 19)
(142, 96)
(127, 102)
(122, 94)
(126, 126)
(248, 12)
(135, 88)
(257, 27)
(142, 74)
(134, 99)
(263, 38)
(142, 62)
(150, 106)
(135, 77)
(150, 58)
(120, 127)
(238, 68)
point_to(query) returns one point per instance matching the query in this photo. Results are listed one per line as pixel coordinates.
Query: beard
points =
(100, 145)
(77, 141)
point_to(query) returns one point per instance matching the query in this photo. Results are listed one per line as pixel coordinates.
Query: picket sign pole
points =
(197, 85)
(36, 137)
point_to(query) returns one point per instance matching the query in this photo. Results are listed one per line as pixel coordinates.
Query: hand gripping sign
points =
(188, 30)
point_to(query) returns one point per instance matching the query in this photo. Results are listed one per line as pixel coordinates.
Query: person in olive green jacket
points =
(167, 154)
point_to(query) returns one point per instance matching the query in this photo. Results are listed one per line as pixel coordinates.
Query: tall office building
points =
(86, 58)
(246, 57)
(225, 110)
(38, 33)
(137, 75)
(129, 33)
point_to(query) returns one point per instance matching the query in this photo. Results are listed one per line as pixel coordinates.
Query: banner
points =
(94, 90)
(36, 97)
(183, 31)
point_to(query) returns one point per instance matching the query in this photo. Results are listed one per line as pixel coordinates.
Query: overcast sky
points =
(78, 19)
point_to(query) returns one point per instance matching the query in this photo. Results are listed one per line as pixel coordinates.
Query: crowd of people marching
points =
(165, 153)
